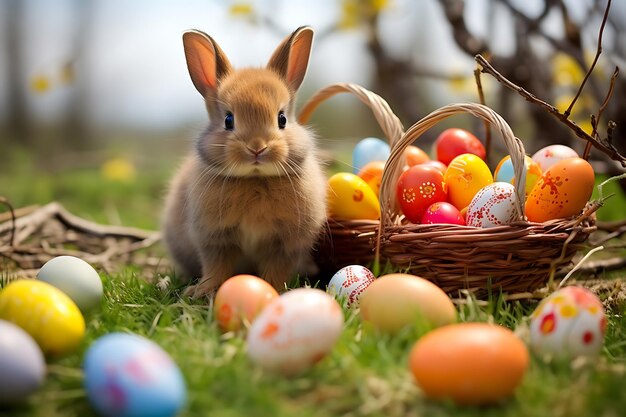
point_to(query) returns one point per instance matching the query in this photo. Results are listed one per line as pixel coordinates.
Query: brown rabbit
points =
(251, 196)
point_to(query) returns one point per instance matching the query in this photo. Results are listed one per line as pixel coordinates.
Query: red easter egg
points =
(454, 142)
(435, 164)
(417, 188)
(442, 213)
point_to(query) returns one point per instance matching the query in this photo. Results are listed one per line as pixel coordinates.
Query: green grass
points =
(366, 373)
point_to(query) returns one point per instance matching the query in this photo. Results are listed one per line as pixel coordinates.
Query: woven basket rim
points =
(392, 235)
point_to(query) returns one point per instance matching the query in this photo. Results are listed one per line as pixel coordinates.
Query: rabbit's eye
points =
(229, 121)
(282, 120)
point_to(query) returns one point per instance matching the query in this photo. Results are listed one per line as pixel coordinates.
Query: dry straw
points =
(515, 258)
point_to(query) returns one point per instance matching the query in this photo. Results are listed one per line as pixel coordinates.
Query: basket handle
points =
(395, 163)
(387, 120)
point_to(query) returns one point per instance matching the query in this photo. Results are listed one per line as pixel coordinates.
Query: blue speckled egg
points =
(127, 375)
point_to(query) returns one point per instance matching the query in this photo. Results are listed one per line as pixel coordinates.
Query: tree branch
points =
(607, 149)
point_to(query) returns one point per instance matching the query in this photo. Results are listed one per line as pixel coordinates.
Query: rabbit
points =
(251, 196)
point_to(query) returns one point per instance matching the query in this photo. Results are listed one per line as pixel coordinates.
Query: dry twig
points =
(49, 231)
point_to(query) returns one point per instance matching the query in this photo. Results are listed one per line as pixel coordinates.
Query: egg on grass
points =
(44, 312)
(295, 331)
(22, 364)
(74, 277)
(350, 282)
(240, 299)
(395, 301)
(127, 375)
(469, 363)
(567, 324)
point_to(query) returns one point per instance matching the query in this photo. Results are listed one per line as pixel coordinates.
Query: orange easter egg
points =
(240, 299)
(562, 191)
(415, 156)
(372, 174)
(469, 363)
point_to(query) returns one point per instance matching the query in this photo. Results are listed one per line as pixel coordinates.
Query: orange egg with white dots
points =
(295, 331)
(561, 192)
(240, 299)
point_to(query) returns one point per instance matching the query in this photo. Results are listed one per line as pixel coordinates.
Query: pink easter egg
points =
(442, 213)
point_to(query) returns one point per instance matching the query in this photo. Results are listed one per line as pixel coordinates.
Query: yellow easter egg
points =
(562, 191)
(465, 176)
(349, 197)
(44, 312)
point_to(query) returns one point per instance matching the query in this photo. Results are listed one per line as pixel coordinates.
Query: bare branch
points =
(608, 150)
(595, 59)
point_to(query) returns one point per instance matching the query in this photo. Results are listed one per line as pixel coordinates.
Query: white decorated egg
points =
(569, 323)
(550, 155)
(76, 278)
(127, 375)
(22, 365)
(350, 282)
(493, 205)
(295, 331)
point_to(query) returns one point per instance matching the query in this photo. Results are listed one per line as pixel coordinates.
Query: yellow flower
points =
(349, 14)
(241, 9)
(566, 70)
(119, 169)
(379, 5)
(40, 84)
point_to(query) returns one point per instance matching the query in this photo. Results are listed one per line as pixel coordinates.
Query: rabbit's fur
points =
(251, 198)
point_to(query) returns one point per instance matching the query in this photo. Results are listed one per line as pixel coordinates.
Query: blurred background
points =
(97, 108)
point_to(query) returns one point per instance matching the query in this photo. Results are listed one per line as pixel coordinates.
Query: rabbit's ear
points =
(291, 57)
(206, 62)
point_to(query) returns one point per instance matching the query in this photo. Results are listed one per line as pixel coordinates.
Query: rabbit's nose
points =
(257, 152)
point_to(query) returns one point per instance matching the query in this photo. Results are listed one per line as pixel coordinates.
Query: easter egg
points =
(415, 156)
(74, 277)
(442, 213)
(394, 301)
(567, 324)
(454, 142)
(417, 188)
(240, 299)
(350, 282)
(368, 150)
(469, 363)
(349, 197)
(504, 172)
(127, 375)
(550, 155)
(372, 174)
(44, 312)
(562, 191)
(295, 331)
(435, 164)
(493, 205)
(464, 177)
(22, 365)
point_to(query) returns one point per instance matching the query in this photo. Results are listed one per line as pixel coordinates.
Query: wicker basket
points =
(515, 258)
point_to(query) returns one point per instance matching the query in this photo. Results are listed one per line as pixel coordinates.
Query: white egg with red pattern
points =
(349, 282)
